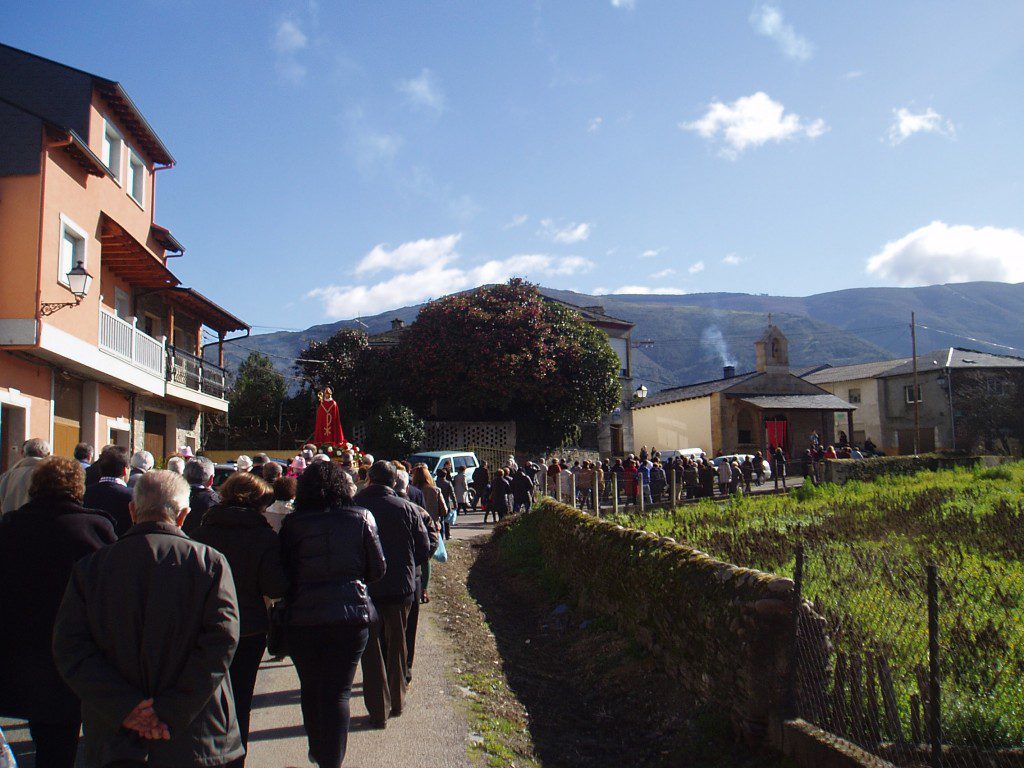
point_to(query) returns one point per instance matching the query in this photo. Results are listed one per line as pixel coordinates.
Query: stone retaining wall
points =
(720, 630)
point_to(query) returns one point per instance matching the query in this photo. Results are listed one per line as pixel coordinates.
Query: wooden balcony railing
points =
(187, 370)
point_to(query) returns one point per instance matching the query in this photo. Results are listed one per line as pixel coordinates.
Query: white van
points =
(686, 453)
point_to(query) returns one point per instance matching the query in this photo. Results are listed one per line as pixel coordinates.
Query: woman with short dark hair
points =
(236, 528)
(39, 545)
(330, 551)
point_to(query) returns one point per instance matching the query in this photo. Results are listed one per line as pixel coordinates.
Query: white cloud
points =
(571, 233)
(645, 290)
(752, 121)
(408, 256)
(287, 41)
(289, 37)
(732, 260)
(424, 91)
(663, 273)
(595, 124)
(768, 21)
(428, 268)
(651, 253)
(944, 253)
(629, 5)
(696, 268)
(517, 221)
(853, 74)
(906, 124)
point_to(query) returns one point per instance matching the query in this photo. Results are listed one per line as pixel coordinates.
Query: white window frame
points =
(67, 225)
(908, 393)
(129, 177)
(118, 172)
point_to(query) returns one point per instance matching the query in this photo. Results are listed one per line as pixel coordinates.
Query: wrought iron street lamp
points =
(79, 281)
(641, 393)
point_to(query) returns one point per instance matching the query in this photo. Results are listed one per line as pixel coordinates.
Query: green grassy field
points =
(866, 547)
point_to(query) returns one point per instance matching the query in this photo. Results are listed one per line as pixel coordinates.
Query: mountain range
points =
(686, 338)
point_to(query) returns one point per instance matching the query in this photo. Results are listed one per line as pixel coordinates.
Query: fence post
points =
(792, 699)
(558, 486)
(672, 473)
(572, 489)
(640, 492)
(595, 494)
(615, 494)
(934, 681)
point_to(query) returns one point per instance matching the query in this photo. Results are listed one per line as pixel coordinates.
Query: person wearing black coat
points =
(330, 551)
(500, 501)
(199, 474)
(405, 542)
(111, 493)
(482, 485)
(39, 545)
(522, 490)
(237, 529)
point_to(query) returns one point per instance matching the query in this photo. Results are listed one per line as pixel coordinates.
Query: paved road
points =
(432, 732)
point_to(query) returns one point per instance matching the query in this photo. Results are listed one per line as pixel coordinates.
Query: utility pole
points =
(916, 391)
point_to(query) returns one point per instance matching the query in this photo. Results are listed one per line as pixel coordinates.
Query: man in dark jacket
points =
(405, 542)
(111, 494)
(199, 474)
(522, 490)
(144, 637)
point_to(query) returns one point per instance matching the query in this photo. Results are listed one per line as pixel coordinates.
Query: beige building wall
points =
(867, 419)
(671, 426)
(19, 233)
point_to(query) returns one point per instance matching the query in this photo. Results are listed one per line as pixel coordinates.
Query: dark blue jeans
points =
(326, 658)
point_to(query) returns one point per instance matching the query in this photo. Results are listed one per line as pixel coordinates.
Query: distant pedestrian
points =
(15, 482)
(84, 454)
(779, 470)
(149, 655)
(460, 485)
(176, 464)
(284, 502)
(501, 500)
(329, 610)
(199, 474)
(482, 485)
(522, 490)
(39, 545)
(111, 494)
(141, 463)
(724, 476)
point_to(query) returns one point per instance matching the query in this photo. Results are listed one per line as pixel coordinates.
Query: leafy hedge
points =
(719, 629)
(844, 470)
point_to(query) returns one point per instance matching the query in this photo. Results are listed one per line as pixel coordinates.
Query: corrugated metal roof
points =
(798, 402)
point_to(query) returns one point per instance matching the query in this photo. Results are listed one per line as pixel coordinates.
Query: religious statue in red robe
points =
(328, 420)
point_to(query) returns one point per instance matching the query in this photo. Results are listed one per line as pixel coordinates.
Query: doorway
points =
(155, 434)
(67, 416)
(776, 433)
(13, 432)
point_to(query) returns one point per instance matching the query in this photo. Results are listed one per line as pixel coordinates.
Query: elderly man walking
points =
(15, 482)
(405, 542)
(145, 635)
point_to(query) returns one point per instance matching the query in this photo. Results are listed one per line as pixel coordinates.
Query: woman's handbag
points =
(441, 553)
(277, 646)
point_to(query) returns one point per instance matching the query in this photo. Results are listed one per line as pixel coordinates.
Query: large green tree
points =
(989, 410)
(505, 352)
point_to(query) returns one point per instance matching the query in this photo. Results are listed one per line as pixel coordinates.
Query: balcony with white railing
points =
(123, 340)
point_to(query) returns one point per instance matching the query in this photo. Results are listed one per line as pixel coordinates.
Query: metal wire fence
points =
(914, 656)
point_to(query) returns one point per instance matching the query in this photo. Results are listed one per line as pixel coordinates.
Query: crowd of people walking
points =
(136, 599)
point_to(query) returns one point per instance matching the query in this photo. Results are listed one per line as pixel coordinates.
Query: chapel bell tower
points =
(772, 350)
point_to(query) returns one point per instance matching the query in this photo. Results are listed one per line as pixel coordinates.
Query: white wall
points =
(671, 426)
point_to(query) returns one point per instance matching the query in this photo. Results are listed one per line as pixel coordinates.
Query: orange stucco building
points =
(126, 363)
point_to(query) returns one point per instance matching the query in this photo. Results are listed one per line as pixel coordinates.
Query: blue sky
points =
(338, 159)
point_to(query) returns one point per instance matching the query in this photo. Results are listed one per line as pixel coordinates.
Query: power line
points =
(970, 338)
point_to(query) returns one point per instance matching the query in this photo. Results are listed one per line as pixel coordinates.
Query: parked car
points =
(686, 453)
(436, 460)
(739, 458)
